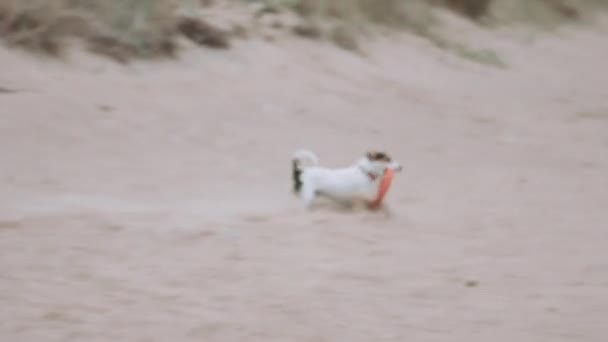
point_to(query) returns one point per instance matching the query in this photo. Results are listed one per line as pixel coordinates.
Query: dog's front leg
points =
(386, 210)
(382, 208)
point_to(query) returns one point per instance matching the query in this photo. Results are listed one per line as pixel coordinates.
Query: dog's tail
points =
(297, 167)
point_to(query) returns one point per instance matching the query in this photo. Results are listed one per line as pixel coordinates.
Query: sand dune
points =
(151, 202)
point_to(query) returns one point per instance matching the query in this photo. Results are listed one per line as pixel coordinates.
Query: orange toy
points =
(385, 184)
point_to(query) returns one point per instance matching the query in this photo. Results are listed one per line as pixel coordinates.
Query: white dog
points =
(357, 182)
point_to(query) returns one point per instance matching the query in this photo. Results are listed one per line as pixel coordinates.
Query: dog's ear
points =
(381, 156)
(378, 156)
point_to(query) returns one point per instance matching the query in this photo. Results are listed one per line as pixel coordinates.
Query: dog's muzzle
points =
(396, 167)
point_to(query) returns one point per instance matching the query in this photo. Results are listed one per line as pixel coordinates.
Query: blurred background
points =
(145, 182)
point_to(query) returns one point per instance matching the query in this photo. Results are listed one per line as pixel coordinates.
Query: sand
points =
(151, 202)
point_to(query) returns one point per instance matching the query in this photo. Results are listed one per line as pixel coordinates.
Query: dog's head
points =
(380, 162)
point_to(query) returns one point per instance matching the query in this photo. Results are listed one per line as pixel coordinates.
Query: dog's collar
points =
(372, 176)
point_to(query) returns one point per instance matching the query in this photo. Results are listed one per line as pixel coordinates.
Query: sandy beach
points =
(152, 202)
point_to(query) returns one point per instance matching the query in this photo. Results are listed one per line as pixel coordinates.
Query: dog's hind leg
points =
(308, 195)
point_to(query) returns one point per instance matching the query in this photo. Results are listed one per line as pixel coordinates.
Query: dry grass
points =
(344, 37)
(546, 14)
(473, 9)
(202, 33)
(123, 29)
(120, 29)
(414, 15)
(308, 30)
(408, 13)
(417, 16)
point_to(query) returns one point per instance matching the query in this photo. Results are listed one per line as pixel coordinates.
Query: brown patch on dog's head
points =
(378, 156)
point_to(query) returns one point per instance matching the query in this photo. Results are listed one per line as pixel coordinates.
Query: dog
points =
(358, 182)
